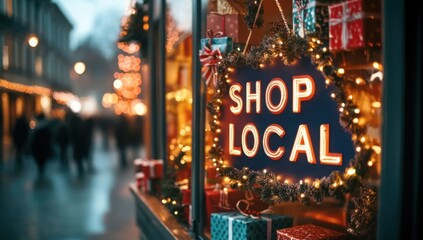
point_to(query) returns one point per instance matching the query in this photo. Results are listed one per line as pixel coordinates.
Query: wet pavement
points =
(63, 206)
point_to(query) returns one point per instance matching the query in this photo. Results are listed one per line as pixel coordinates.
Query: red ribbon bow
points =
(210, 59)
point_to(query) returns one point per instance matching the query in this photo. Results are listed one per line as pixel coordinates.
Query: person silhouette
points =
(121, 136)
(63, 140)
(41, 146)
(20, 136)
(77, 137)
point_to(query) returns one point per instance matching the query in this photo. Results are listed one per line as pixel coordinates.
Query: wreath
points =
(282, 45)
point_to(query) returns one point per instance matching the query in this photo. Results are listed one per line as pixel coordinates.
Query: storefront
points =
(299, 117)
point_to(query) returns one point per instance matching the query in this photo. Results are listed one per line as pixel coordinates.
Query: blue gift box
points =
(233, 226)
(224, 44)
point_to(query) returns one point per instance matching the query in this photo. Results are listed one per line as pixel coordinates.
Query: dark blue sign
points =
(282, 118)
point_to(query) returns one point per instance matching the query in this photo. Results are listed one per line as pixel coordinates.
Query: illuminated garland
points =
(283, 46)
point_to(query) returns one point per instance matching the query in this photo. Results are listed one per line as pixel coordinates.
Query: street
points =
(63, 206)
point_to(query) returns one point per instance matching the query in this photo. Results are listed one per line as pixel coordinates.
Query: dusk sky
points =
(91, 17)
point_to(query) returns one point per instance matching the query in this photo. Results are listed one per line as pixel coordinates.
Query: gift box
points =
(309, 232)
(152, 168)
(354, 24)
(138, 165)
(217, 41)
(234, 26)
(211, 175)
(310, 16)
(141, 181)
(234, 225)
(225, 200)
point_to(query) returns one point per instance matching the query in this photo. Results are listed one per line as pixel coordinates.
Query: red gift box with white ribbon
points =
(354, 24)
(152, 168)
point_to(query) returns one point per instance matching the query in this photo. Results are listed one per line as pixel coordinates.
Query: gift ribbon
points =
(300, 8)
(223, 200)
(210, 59)
(245, 215)
(230, 225)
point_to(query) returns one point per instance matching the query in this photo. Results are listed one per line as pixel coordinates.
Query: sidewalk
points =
(98, 206)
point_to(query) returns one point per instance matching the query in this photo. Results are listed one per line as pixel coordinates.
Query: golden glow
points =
(351, 171)
(376, 104)
(33, 41)
(236, 98)
(79, 67)
(303, 144)
(278, 153)
(276, 83)
(117, 83)
(25, 88)
(376, 65)
(302, 95)
(253, 97)
(325, 156)
(235, 151)
(140, 109)
(253, 129)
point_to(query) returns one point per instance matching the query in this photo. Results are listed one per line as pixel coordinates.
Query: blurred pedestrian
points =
(63, 140)
(122, 136)
(88, 142)
(41, 146)
(77, 136)
(20, 136)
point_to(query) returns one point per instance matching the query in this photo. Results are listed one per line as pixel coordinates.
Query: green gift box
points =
(310, 16)
(224, 44)
(235, 226)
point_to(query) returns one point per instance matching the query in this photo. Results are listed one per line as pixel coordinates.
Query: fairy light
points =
(341, 71)
(351, 171)
(357, 111)
(332, 95)
(370, 163)
(358, 149)
(355, 120)
(376, 104)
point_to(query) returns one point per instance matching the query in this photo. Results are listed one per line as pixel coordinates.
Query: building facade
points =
(34, 62)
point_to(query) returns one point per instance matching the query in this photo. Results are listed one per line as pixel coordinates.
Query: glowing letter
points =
(236, 98)
(299, 95)
(232, 149)
(325, 156)
(303, 144)
(250, 128)
(274, 128)
(276, 83)
(249, 97)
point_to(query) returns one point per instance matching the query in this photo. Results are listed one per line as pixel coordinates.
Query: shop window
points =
(6, 57)
(8, 6)
(39, 66)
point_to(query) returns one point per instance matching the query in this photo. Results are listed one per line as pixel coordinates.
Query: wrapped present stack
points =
(225, 200)
(237, 226)
(229, 19)
(148, 174)
(309, 232)
(310, 17)
(355, 32)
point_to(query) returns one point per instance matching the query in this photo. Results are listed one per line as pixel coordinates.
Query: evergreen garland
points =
(252, 7)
